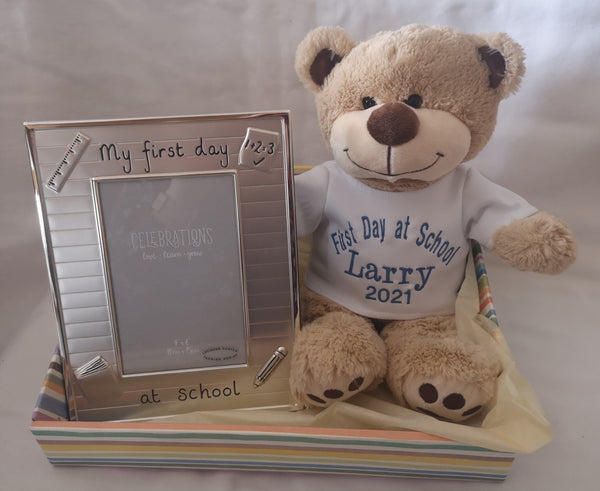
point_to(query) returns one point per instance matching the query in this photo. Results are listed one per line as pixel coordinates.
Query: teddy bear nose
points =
(393, 123)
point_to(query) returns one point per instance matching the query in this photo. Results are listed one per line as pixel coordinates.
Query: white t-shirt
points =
(397, 255)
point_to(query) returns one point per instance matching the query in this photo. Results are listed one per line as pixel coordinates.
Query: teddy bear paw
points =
(432, 370)
(335, 357)
(446, 399)
(323, 395)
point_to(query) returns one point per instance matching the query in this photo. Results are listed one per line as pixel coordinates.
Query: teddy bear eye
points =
(414, 100)
(368, 102)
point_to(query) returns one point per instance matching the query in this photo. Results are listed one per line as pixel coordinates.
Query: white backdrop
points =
(131, 58)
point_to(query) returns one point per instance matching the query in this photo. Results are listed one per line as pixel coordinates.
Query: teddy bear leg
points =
(432, 371)
(336, 356)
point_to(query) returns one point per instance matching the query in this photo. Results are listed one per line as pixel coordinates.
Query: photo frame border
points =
(273, 393)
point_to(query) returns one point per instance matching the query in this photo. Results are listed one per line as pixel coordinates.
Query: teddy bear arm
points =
(540, 243)
(310, 196)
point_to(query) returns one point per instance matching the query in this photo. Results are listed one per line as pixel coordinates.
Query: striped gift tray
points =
(371, 452)
(274, 448)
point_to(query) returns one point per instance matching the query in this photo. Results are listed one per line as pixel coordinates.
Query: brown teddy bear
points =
(391, 217)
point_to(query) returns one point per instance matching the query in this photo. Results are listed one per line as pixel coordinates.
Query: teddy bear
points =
(392, 216)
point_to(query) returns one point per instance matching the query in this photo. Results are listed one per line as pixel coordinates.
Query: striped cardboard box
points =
(325, 450)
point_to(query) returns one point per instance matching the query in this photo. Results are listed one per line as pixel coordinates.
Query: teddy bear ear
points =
(319, 52)
(505, 61)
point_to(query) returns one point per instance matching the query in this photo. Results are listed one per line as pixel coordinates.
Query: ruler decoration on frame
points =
(68, 162)
(170, 249)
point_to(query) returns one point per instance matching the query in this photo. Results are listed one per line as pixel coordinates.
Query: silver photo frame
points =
(171, 253)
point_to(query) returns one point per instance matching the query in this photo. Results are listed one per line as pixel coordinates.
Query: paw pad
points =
(333, 394)
(356, 384)
(316, 399)
(454, 402)
(428, 393)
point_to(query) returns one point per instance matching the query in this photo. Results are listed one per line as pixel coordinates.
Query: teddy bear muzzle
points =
(393, 141)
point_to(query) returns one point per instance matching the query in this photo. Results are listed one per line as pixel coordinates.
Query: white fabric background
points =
(66, 60)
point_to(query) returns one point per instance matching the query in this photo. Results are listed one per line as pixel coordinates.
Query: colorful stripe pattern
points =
(372, 452)
(51, 403)
(297, 449)
(486, 304)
